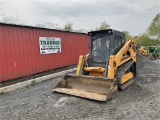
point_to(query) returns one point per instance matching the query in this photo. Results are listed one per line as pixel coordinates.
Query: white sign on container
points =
(49, 45)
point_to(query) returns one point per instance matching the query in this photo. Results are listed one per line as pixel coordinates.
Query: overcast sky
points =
(131, 15)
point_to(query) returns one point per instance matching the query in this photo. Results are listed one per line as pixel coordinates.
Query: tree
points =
(145, 40)
(103, 26)
(68, 27)
(127, 35)
(154, 28)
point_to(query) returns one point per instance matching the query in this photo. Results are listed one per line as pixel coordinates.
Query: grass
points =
(33, 83)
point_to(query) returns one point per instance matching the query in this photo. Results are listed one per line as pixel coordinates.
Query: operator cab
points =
(103, 44)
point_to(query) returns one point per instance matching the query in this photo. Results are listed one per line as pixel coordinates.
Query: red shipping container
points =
(20, 50)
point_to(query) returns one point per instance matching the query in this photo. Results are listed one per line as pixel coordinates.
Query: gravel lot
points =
(140, 101)
(157, 61)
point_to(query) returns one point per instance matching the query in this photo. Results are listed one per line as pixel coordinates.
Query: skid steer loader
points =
(143, 52)
(109, 67)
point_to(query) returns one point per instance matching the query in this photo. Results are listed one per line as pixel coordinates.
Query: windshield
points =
(100, 48)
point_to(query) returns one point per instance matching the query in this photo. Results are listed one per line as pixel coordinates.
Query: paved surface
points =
(140, 101)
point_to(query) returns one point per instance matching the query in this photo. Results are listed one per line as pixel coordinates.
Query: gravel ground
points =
(157, 61)
(140, 101)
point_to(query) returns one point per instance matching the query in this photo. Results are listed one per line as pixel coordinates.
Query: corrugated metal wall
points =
(20, 53)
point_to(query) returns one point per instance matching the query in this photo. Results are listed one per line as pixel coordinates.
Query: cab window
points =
(117, 44)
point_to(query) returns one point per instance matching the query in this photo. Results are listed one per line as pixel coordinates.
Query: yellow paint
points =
(126, 77)
(142, 51)
(118, 58)
(94, 69)
(86, 62)
(133, 54)
(126, 48)
(95, 74)
(125, 60)
(111, 68)
(79, 64)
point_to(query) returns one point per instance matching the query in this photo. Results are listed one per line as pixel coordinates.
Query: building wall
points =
(20, 53)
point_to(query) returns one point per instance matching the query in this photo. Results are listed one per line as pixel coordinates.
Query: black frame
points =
(112, 33)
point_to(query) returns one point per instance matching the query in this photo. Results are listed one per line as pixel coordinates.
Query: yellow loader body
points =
(101, 81)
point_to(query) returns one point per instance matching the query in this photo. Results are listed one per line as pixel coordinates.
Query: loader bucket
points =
(91, 87)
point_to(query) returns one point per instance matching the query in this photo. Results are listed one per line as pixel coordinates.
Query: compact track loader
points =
(110, 66)
(143, 52)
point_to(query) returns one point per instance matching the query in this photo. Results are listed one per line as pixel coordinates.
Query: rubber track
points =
(121, 70)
